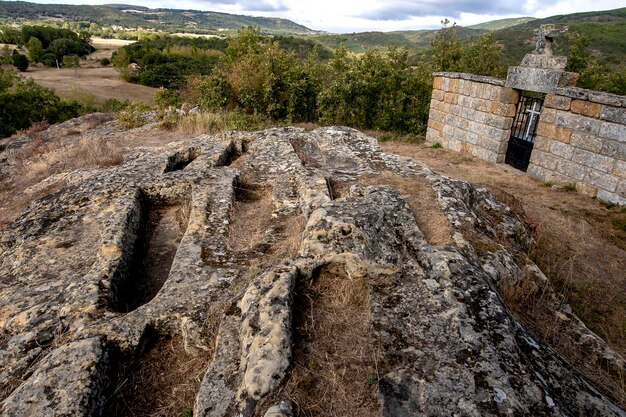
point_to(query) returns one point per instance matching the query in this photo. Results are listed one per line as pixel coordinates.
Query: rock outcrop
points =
(91, 273)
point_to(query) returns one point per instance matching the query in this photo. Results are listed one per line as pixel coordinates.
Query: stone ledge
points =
(592, 95)
(471, 77)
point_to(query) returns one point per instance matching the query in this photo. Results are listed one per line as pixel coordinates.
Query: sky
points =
(345, 16)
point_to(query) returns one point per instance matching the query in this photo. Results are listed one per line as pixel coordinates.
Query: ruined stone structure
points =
(563, 134)
(81, 298)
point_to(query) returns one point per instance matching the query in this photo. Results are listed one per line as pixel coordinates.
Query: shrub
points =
(27, 103)
(20, 62)
(114, 105)
(132, 115)
(165, 98)
(105, 62)
(49, 60)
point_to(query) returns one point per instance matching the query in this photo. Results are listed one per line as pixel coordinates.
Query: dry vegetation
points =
(100, 84)
(423, 203)
(163, 383)
(335, 357)
(580, 244)
(58, 151)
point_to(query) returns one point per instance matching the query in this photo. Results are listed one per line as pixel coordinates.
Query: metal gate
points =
(523, 132)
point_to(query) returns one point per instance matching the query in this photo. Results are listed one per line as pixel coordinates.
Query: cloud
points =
(245, 5)
(407, 9)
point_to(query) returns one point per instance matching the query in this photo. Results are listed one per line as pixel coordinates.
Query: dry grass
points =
(163, 383)
(578, 245)
(48, 158)
(535, 305)
(103, 83)
(423, 203)
(250, 217)
(335, 356)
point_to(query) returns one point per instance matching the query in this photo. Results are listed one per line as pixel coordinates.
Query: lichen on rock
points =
(445, 342)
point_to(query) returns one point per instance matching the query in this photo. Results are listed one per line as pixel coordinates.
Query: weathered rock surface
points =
(449, 345)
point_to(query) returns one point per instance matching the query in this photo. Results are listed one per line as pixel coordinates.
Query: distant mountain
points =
(502, 23)
(128, 16)
(606, 29)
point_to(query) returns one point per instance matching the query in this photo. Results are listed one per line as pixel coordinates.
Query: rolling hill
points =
(172, 20)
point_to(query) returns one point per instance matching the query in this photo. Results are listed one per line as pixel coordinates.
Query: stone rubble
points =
(450, 345)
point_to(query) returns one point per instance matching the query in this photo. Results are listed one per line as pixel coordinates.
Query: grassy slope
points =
(502, 23)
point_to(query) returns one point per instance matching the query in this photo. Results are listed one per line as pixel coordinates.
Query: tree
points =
(35, 49)
(482, 57)
(20, 62)
(447, 48)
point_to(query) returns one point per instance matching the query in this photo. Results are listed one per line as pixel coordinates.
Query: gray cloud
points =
(406, 9)
(248, 5)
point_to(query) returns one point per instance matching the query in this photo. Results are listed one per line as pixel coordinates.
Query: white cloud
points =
(378, 15)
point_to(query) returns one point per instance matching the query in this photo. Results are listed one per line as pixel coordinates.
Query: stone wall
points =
(581, 139)
(472, 114)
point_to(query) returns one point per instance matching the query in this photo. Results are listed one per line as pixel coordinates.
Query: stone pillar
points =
(541, 71)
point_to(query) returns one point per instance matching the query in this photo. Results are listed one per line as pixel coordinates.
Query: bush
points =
(165, 98)
(114, 105)
(49, 60)
(132, 115)
(26, 103)
(105, 62)
(20, 62)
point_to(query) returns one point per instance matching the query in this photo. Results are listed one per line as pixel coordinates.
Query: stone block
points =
(571, 169)
(536, 171)
(455, 109)
(487, 89)
(489, 144)
(613, 131)
(437, 83)
(540, 80)
(562, 150)
(502, 109)
(499, 121)
(563, 134)
(545, 129)
(436, 115)
(449, 97)
(611, 197)
(546, 61)
(548, 115)
(587, 142)
(586, 189)
(484, 154)
(480, 117)
(601, 180)
(508, 96)
(620, 169)
(467, 88)
(448, 130)
(469, 113)
(454, 144)
(433, 124)
(445, 84)
(542, 143)
(586, 108)
(578, 123)
(433, 135)
(544, 160)
(454, 85)
(438, 95)
(613, 114)
(557, 102)
(613, 149)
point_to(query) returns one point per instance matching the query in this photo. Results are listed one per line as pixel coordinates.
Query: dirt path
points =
(103, 82)
(581, 242)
